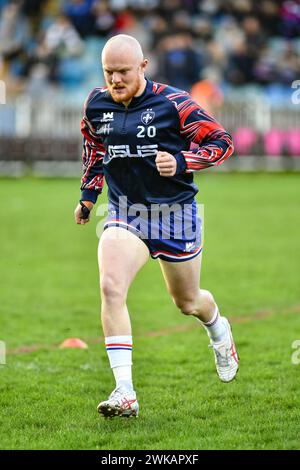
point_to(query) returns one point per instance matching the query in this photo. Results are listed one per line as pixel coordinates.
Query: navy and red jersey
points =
(121, 143)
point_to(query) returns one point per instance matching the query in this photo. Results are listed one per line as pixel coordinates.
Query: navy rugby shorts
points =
(170, 233)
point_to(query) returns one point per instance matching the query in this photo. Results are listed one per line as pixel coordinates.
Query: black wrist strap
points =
(84, 210)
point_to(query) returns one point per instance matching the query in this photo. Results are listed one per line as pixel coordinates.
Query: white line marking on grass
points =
(259, 315)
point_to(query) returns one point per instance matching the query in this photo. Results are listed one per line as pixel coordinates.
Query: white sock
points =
(119, 351)
(215, 327)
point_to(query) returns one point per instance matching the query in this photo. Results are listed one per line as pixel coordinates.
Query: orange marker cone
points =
(73, 343)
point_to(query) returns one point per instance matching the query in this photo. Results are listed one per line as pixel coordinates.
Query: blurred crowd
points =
(192, 44)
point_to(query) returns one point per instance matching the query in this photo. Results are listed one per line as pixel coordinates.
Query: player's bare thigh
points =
(121, 255)
(182, 279)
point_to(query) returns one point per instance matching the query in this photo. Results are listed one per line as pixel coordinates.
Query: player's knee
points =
(196, 303)
(186, 305)
(112, 290)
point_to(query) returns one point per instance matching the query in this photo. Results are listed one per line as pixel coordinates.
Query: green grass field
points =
(49, 292)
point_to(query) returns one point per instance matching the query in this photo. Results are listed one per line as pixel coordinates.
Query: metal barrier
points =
(55, 118)
(50, 119)
(49, 131)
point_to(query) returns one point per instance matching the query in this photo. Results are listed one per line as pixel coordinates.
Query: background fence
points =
(43, 136)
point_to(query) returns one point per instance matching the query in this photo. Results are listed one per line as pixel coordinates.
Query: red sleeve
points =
(212, 143)
(92, 180)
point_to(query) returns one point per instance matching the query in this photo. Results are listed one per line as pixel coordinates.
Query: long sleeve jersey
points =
(121, 143)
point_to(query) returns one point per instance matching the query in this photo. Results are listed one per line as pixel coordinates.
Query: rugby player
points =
(146, 139)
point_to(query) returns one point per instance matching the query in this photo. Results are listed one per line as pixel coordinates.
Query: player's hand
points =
(78, 213)
(166, 164)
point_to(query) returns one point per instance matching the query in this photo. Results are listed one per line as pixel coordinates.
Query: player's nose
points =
(116, 78)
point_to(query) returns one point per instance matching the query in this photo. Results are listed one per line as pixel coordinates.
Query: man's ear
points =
(144, 64)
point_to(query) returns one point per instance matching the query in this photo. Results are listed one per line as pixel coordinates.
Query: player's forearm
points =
(91, 187)
(92, 180)
(212, 153)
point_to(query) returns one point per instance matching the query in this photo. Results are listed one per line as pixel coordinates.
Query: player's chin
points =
(120, 95)
(117, 99)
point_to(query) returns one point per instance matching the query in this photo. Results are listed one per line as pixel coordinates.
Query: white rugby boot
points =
(226, 357)
(120, 403)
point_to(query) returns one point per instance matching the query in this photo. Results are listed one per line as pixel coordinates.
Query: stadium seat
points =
(278, 95)
(244, 139)
(71, 71)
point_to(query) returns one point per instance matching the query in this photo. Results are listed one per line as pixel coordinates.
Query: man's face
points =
(124, 77)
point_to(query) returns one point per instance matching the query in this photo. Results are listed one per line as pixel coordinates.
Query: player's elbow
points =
(229, 145)
(226, 149)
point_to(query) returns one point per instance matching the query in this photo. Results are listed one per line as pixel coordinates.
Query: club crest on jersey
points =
(147, 116)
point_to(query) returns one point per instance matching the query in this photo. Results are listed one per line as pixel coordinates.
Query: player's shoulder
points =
(96, 95)
(172, 94)
(169, 92)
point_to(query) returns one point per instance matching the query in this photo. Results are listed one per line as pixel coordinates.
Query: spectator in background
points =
(207, 94)
(104, 18)
(159, 29)
(14, 31)
(290, 18)
(265, 68)
(202, 29)
(288, 65)
(81, 16)
(253, 34)
(33, 10)
(181, 22)
(124, 20)
(240, 67)
(214, 62)
(62, 39)
(166, 8)
(208, 8)
(268, 15)
(240, 41)
(278, 67)
(228, 34)
(132, 22)
(14, 41)
(40, 68)
(238, 8)
(178, 61)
